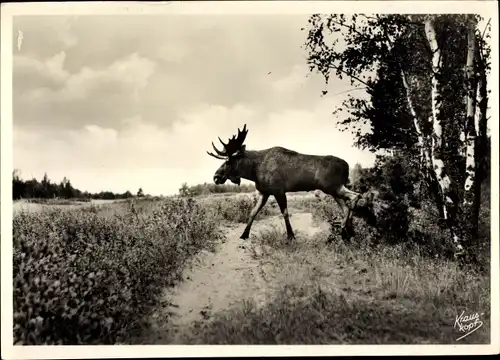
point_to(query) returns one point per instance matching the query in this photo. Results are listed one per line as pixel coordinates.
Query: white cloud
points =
(51, 70)
(172, 52)
(161, 159)
(293, 81)
(139, 100)
(132, 72)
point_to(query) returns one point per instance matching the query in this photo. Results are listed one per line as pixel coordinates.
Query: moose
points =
(276, 171)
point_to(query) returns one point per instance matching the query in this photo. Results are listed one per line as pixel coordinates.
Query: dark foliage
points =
(46, 189)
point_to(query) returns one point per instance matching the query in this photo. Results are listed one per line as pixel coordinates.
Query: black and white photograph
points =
(249, 173)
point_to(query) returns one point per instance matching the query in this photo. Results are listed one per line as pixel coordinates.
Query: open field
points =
(33, 206)
(174, 271)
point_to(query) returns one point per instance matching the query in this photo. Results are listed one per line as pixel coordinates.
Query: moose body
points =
(276, 171)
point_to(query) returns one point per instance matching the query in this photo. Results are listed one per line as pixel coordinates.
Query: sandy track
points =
(218, 281)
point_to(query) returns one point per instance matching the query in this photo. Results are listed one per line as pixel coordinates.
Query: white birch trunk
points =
(481, 112)
(477, 113)
(424, 153)
(437, 137)
(472, 122)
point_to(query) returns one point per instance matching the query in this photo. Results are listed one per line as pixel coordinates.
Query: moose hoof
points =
(244, 236)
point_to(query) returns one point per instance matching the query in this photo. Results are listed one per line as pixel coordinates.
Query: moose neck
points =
(247, 164)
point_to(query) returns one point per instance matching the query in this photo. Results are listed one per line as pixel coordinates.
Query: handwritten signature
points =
(467, 324)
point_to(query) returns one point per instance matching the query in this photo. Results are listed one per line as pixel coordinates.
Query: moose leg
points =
(281, 200)
(344, 224)
(260, 204)
(349, 197)
(343, 208)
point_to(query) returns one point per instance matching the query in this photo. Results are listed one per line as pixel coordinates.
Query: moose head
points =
(233, 151)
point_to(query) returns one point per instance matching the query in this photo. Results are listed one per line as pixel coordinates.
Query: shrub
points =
(238, 209)
(394, 221)
(391, 207)
(207, 189)
(393, 176)
(327, 210)
(81, 278)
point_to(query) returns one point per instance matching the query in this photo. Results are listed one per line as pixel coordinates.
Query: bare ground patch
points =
(216, 282)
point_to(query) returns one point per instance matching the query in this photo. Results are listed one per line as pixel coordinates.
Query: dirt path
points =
(217, 281)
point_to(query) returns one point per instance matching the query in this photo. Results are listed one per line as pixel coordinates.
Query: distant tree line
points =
(46, 189)
(206, 189)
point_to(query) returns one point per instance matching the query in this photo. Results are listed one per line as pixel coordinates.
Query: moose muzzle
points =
(219, 179)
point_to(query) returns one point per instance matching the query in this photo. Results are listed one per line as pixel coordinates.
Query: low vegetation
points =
(85, 276)
(208, 189)
(238, 209)
(92, 274)
(352, 294)
(57, 201)
(397, 284)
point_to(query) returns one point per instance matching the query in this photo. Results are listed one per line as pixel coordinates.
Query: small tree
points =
(184, 190)
(127, 194)
(356, 173)
(421, 100)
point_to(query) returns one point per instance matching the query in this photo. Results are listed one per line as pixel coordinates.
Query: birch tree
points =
(471, 129)
(440, 109)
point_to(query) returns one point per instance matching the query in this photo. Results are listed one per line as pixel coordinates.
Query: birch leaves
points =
(444, 117)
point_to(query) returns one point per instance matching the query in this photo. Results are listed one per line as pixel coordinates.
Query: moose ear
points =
(241, 151)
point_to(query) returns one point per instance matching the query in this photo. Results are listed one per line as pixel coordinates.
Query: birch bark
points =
(477, 122)
(438, 166)
(424, 152)
(472, 120)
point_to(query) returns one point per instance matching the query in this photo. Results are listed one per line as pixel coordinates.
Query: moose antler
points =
(234, 144)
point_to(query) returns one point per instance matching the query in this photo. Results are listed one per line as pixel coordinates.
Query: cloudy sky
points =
(122, 102)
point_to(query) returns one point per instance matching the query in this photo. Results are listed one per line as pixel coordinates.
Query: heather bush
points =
(207, 189)
(84, 278)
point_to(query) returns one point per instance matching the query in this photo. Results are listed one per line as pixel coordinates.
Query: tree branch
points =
(350, 75)
(484, 31)
(354, 89)
(350, 27)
